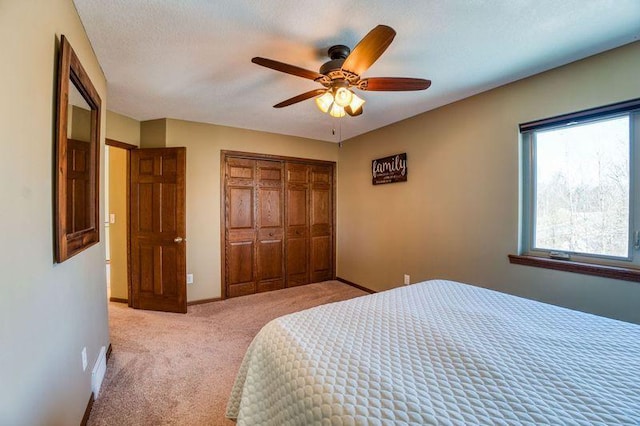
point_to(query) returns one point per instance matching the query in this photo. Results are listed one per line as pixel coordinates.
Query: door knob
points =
(178, 239)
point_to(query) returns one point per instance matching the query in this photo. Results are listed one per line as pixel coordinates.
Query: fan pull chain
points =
(333, 133)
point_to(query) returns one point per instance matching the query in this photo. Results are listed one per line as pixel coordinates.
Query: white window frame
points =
(528, 181)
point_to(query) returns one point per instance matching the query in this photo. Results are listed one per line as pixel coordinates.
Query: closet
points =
(277, 222)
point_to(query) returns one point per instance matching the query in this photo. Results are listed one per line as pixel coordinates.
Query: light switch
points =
(112, 218)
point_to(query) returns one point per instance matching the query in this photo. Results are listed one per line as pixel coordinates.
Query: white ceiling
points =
(191, 59)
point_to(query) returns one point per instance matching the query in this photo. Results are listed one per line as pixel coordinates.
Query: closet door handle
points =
(271, 234)
(178, 240)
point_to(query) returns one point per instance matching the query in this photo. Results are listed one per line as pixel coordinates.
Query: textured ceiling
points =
(191, 59)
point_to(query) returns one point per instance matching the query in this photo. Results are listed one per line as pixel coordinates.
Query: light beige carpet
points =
(178, 369)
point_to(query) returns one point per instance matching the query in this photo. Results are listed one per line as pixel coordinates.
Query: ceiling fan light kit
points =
(338, 102)
(342, 73)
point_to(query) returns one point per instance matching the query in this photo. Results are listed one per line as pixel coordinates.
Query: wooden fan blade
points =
(393, 84)
(300, 98)
(289, 69)
(370, 48)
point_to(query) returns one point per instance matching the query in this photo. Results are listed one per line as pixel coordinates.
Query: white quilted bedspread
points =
(440, 352)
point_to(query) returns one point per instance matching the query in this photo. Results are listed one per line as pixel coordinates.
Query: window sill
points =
(614, 272)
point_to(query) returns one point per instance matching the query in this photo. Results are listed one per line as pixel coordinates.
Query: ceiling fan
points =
(343, 73)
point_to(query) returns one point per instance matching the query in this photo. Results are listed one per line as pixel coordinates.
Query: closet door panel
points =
(297, 207)
(321, 229)
(270, 265)
(240, 268)
(240, 168)
(297, 259)
(270, 213)
(297, 173)
(270, 172)
(240, 232)
(270, 257)
(321, 259)
(297, 224)
(322, 175)
(270, 224)
(321, 209)
(241, 208)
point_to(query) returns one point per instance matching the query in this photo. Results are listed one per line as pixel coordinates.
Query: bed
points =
(440, 352)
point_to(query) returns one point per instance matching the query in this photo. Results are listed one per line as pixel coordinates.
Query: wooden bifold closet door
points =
(309, 223)
(277, 223)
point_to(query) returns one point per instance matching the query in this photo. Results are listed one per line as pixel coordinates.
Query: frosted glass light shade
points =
(337, 111)
(324, 102)
(356, 102)
(343, 96)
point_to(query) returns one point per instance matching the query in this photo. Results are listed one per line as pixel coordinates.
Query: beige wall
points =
(123, 129)
(118, 230)
(457, 216)
(49, 312)
(204, 143)
(153, 133)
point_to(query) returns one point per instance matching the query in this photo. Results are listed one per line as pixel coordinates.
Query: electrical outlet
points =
(407, 279)
(84, 358)
(189, 278)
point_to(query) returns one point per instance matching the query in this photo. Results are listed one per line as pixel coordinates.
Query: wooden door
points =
(240, 232)
(297, 224)
(158, 228)
(321, 226)
(270, 226)
(79, 186)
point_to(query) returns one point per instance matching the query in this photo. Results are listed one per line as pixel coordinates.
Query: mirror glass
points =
(78, 162)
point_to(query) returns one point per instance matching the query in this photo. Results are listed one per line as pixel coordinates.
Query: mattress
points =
(440, 352)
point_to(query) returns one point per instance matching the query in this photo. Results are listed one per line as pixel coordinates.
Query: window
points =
(581, 175)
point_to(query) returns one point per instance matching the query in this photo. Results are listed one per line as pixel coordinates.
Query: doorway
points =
(117, 160)
(146, 225)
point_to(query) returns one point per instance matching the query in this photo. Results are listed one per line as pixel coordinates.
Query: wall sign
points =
(389, 169)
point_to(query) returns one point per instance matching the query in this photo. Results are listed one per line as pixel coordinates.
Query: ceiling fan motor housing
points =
(338, 54)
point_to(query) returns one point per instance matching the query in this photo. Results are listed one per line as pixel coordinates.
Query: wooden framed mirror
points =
(77, 162)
